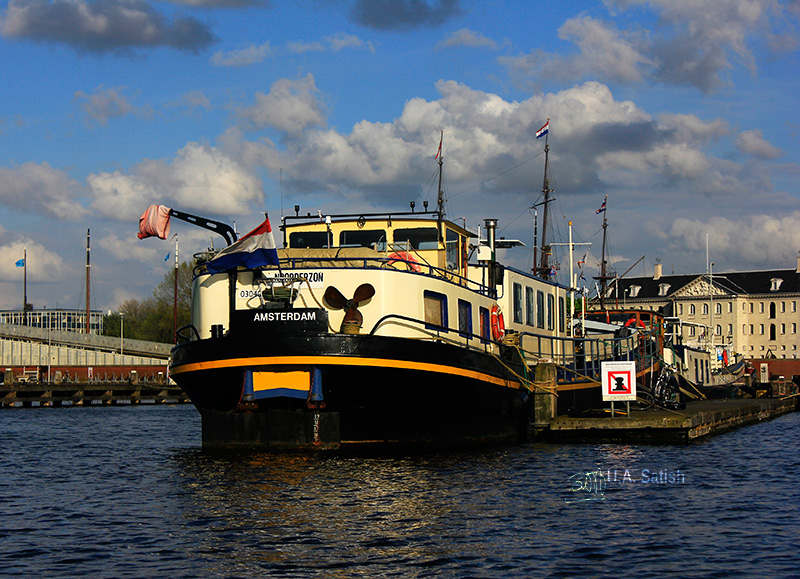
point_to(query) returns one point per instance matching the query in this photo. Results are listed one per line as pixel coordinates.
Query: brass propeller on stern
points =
(352, 316)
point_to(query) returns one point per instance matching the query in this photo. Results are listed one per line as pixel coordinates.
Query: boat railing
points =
(576, 358)
(391, 261)
(579, 358)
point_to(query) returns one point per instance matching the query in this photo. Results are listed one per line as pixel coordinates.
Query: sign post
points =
(619, 383)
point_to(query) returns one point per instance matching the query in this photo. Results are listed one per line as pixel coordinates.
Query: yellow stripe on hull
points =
(342, 361)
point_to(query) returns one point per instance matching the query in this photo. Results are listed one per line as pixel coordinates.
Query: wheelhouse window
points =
(550, 306)
(310, 239)
(517, 291)
(451, 253)
(464, 318)
(562, 314)
(374, 238)
(435, 308)
(417, 237)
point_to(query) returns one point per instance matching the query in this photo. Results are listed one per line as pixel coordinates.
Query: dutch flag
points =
(544, 130)
(255, 249)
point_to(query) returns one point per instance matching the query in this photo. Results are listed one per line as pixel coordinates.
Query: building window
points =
(794, 328)
(752, 331)
(760, 307)
(744, 328)
(775, 284)
(772, 310)
(530, 307)
(691, 331)
(772, 331)
(751, 308)
(465, 319)
(730, 307)
(730, 329)
(435, 308)
(517, 291)
(783, 307)
(680, 309)
(634, 289)
(718, 308)
(761, 329)
(783, 329)
(705, 309)
(691, 309)
(794, 307)
(663, 288)
(718, 330)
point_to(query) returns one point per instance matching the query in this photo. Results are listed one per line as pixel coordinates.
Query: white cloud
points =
(749, 242)
(242, 57)
(107, 103)
(40, 189)
(753, 143)
(291, 106)
(199, 178)
(465, 37)
(43, 264)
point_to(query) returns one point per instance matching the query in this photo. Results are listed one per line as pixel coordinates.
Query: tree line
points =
(151, 319)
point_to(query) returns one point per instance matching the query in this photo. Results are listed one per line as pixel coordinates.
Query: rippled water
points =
(127, 492)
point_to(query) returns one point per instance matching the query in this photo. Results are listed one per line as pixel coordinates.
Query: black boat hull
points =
(374, 389)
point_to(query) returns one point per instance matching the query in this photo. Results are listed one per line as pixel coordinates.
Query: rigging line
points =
(528, 160)
(514, 220)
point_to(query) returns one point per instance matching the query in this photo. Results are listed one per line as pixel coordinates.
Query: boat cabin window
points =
(418, 237)
(530, 306)
(550, 304)
(374, 238)
(562, 314)
(465, 318)
(485, 317)
(435, 305)
(540, 309)
(310, 239)
(517, 295)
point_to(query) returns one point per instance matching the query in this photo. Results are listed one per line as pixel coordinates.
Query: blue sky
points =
(683, 112)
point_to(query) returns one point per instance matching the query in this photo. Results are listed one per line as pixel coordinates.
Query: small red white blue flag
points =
(602, 207)
(255, 249)
(544, 130)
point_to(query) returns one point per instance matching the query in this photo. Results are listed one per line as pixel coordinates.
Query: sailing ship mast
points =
(88, 277)
(440, 196)
(603, 277)
(542, 269)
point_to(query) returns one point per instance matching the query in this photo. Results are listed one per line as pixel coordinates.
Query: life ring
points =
(406, 257)
(634, 322)
(498, 323)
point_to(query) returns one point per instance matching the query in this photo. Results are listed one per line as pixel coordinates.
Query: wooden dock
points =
(699, 419)
(28, 395)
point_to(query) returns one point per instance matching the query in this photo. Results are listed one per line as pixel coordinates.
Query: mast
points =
(175, 302)
(603, 270)
(544, 262)
(88, 271)
(440, 197)
(25, 287)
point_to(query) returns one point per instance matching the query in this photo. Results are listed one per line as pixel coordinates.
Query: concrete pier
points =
(699, 419)
(86, 394)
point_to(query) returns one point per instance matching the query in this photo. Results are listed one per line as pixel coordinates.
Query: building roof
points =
(768, 282)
